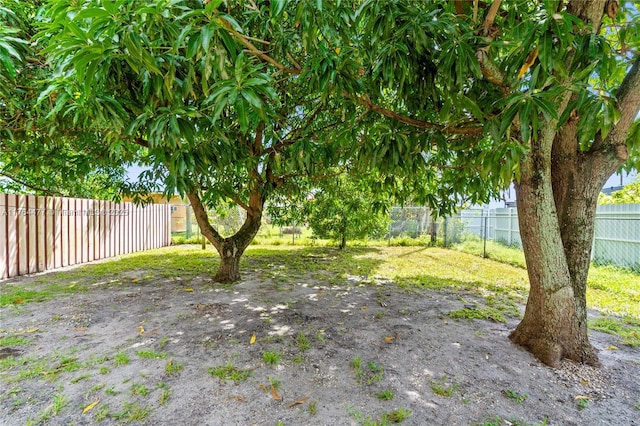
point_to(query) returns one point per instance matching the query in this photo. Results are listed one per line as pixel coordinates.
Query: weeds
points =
(166, 393)
(517, 397)
(302, 342)
(58, 403)
(371, 374)
(151, 354)
(173, 367)
(121, 358)
(582, 402)
(132, 413)
(385, 395)
(395, 416)
(138, 389)
(13, 341)
(443, 387)
(271, 358)
(230, 372)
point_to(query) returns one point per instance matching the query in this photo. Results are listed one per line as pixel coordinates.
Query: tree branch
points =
(35, 188)
(458, 130)
(490, 18)
(253, 49)
(203, 220)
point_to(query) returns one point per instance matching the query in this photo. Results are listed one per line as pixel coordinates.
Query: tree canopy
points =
(441, 102)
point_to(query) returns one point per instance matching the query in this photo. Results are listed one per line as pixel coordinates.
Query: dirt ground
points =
(144, 351)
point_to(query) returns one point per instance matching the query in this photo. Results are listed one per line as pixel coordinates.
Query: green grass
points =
(138, 389)
(271, 358)
(386, 419)
(628, 329)
(9, 341)
(610, 289)
(122, 358)
(385, 395)
(151, 354)
(369, 374)
(173, 367)
(132, 413)
(302, 342)
(515, 396)
(230, 372)
(444, 387)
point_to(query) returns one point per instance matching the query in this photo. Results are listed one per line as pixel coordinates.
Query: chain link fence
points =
(616, 235)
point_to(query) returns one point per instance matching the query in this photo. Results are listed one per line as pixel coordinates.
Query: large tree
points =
(231, 99)
(219, 99)
(550, 90)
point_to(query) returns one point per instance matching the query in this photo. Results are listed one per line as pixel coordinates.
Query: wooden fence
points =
(43, 233)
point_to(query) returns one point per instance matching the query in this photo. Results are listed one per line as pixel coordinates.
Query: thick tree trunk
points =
(557, 199)
(232, 249)
(553, 326)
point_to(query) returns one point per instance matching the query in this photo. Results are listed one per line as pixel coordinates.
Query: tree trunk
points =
(557, 199)
(553, 326)
(233, 247)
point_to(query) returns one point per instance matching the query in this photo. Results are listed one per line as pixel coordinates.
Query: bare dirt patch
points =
(298, 351)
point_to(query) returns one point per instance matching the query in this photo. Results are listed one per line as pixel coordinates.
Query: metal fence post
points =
(484, 250)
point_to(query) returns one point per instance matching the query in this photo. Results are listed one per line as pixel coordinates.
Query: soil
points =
(442, 371)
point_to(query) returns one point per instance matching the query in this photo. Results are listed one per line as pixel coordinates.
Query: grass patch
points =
(386, 419)
(138, 389)
(230, 372)
(367, 374)
(173, 367)
(627, 329)
(443, 387)
(515, 396)
(271, 358)
(132, 413)
(302, 342)
(478, 313)
(151, 354)
(122, 358)
(610, 289)
(10, 341)
(385, 395)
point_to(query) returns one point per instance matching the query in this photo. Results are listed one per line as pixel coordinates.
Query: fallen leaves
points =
(31, 330)
(253, 339)
(90, 406)
(141, 329)
(298, 402)
(274, 394)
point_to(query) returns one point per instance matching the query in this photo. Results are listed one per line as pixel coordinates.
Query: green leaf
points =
(93, 12)
(232, 21)
(206, 34)
(277, 6)
(253, 99)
